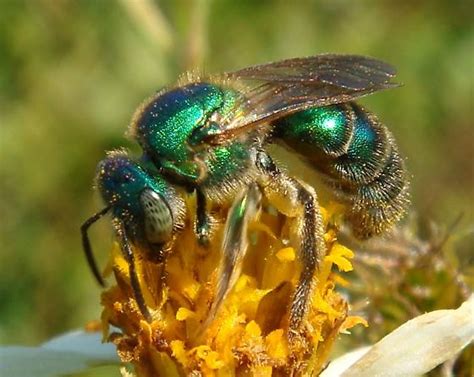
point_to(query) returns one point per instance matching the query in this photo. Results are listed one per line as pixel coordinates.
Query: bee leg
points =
(297, 200)
(203, 226)
(235, 243)
(130, 258)
(86, 244)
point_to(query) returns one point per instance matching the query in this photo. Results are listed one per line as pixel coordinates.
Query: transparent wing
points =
(234, 247)
(273, 90)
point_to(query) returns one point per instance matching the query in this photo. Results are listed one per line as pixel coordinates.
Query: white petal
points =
(342, 363)
(86, 343)
(75, 352)
(419, 345)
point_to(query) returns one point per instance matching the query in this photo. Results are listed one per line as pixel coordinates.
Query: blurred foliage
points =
(72, 73)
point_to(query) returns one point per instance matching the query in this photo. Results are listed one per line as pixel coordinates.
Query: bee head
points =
(120, 180)
(146, 202)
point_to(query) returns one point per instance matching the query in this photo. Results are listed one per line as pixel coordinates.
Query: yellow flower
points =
(248, 336)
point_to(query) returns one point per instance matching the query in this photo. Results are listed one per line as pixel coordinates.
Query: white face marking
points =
(158, 217)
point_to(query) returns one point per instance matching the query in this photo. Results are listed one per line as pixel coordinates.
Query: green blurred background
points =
(72, 73)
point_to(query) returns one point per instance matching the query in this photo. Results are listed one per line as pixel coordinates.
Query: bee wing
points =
(234, 246)
(270, 91)
(345, 71)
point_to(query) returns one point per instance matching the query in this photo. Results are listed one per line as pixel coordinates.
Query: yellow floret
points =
(249, 335)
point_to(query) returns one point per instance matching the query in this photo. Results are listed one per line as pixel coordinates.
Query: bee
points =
(147, 212)
(210, 135)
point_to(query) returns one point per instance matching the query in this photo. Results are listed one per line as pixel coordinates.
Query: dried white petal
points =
(342, 363)
(419, 345)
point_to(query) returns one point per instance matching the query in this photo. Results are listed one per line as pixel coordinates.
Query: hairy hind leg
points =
(296, 200)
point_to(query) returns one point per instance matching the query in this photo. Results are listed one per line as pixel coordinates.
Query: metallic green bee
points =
(209, 135)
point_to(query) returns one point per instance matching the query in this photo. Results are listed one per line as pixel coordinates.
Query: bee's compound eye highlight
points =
(158, 217)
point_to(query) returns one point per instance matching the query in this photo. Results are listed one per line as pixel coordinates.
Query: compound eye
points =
(158, 217)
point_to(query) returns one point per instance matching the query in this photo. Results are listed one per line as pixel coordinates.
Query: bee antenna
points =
(86, 244)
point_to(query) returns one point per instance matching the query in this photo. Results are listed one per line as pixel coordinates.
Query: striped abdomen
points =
(358, 156)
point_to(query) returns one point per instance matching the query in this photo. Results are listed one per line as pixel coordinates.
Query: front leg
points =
(130, 258)
(294, 199)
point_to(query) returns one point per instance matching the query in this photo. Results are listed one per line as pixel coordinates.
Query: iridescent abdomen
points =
(357, 155)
